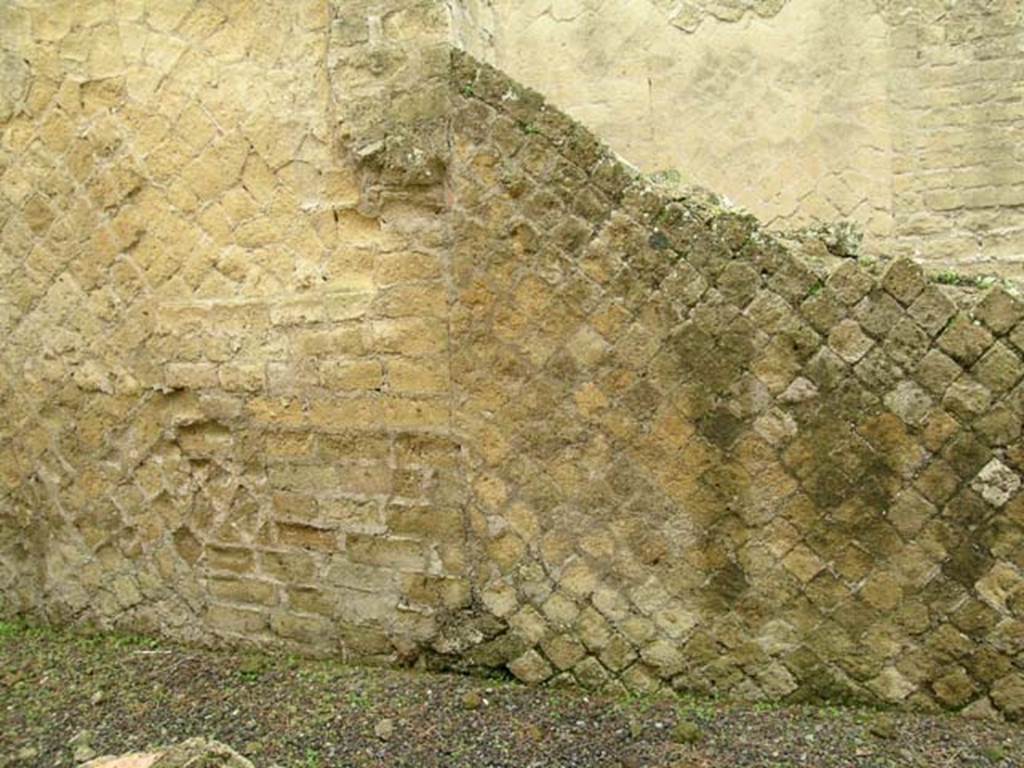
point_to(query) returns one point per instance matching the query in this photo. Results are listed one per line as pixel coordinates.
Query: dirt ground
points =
(129, 693)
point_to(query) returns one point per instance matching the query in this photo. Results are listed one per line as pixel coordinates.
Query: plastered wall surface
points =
(320, 335)
(903, 117)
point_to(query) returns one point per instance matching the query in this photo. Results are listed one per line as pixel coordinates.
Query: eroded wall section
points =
(224, 365)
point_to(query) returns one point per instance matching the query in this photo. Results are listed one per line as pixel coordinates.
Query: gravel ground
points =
(130, 693)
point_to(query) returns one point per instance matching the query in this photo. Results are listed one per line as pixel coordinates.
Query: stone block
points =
(399, 554)
(1008, 696)
(531, 667)
(239, 621)
(233, 559)
(905, 280)
(288, 567)
(243, 591)
(999, 310)
(563, 651)
(999, 369)
(351, 374)
(191, 375)
(305, 629)
(935, 372)
(964, 341)
(306, 536)
(932, 309)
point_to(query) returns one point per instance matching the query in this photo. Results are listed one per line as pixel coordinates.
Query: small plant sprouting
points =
(949, 277)
(358, 700)
(699, 709)
(667, 176)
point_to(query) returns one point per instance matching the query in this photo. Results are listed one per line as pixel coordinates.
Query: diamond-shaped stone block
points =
(996, 483)
(849, 342)
(904, 279)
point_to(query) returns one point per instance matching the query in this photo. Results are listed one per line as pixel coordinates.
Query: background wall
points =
(902, 116)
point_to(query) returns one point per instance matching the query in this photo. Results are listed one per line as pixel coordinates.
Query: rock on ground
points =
(208, 754)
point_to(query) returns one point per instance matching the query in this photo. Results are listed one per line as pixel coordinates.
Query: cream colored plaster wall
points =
(904, 117)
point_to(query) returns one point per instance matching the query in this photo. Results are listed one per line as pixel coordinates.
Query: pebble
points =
(82, 737)
(884, 727)
(83, 753)
(687, 732)
(81, 747)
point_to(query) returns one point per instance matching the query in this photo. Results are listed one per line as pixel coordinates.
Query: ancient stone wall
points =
(697, 459)
(901, 116)
(394, 361)
(225, 356)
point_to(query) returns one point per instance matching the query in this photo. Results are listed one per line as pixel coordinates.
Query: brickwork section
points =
(321, 337)
(958, 82)
(225, 396)
(697, 462)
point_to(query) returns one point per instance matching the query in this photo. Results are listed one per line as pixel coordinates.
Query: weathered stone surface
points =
(398, 361)
(865, 501)
(193, 752)
(996, 483)
(133, 760)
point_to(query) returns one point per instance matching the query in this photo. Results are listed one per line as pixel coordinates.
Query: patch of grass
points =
(9, 629)
(320, 671)
(497, 677)
(952, 277)
(994, 754)
(253, 667)
(637, 703)
(832, 711)
(697, 708)
(358, 699)
(949, 277)
(134, 642)
(687, 732)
